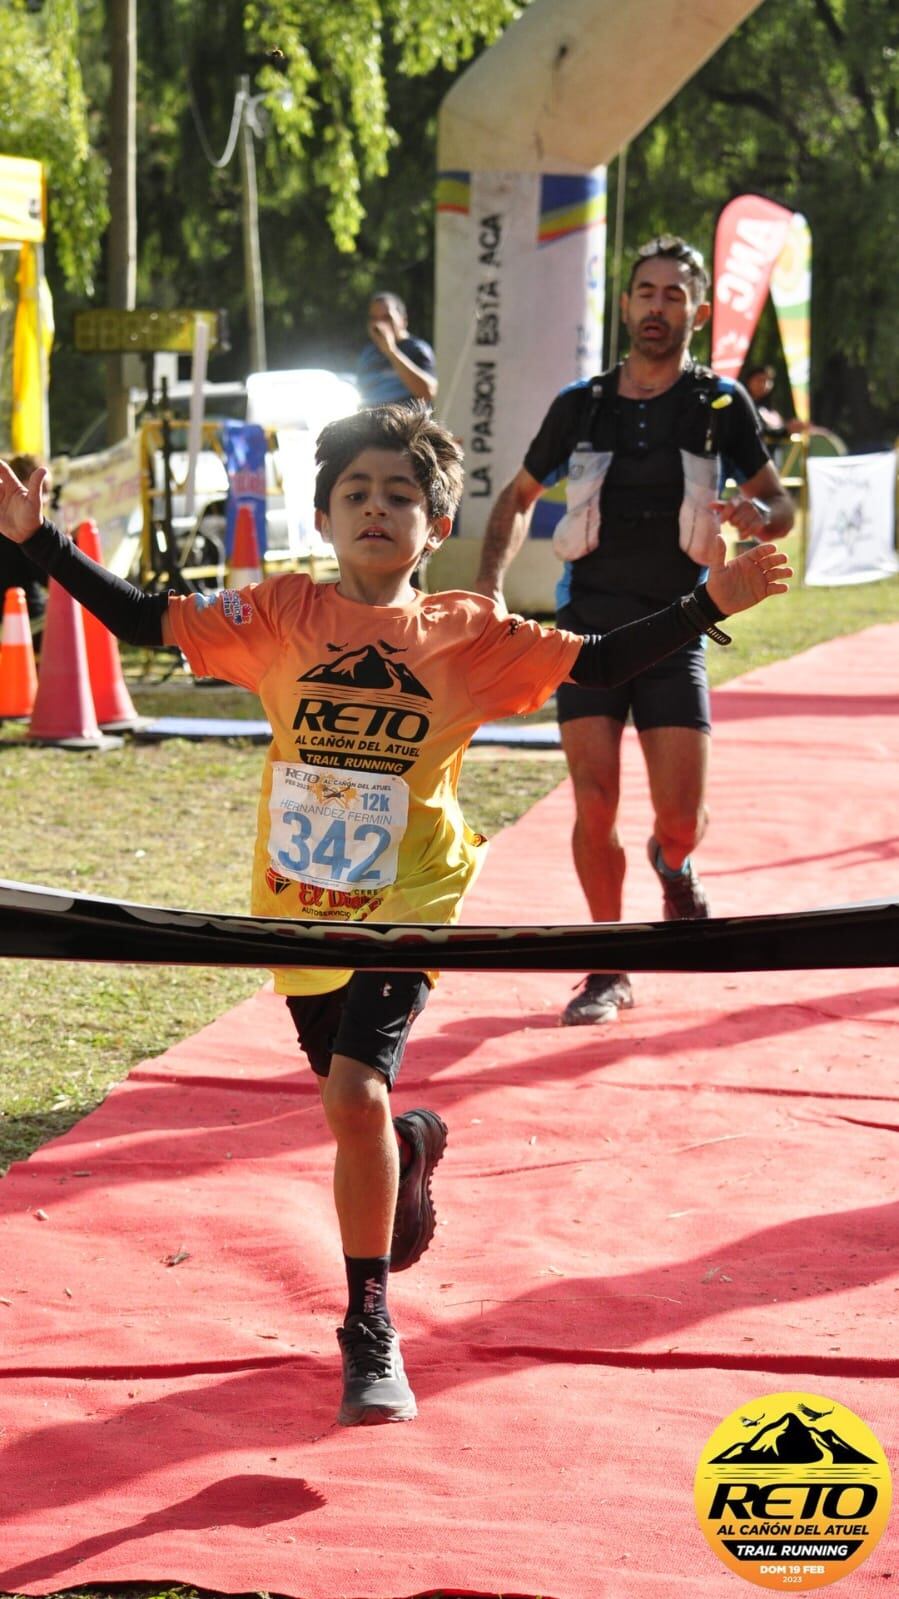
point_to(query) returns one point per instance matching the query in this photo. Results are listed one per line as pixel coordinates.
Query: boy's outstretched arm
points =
(128, 612)
(610, 658)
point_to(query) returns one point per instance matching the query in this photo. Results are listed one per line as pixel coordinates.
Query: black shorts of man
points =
(647, 448)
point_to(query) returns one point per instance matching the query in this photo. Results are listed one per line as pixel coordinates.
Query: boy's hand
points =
(748, 579)
(21, 512)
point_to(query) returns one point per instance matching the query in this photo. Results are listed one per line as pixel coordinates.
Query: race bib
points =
(336, 828)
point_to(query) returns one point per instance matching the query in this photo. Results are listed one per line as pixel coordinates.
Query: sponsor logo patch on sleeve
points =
(234, 608)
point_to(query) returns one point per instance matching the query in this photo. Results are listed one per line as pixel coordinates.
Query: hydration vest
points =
(696, 434)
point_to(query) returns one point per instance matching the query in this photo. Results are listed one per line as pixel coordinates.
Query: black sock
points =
(367, 1285)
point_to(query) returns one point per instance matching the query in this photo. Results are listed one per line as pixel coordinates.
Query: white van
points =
(293, 406)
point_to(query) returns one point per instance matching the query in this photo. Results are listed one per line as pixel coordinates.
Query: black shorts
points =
(368, 1019)
(673, 693)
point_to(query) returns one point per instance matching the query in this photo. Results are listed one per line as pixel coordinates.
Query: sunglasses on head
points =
(670, 244)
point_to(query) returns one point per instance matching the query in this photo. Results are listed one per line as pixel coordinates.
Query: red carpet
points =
(641, 1228)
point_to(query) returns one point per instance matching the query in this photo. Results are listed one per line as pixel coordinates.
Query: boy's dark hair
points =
(435, 456)
(674, 248)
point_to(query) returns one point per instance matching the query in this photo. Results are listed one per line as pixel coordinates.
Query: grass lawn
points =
(173, 823)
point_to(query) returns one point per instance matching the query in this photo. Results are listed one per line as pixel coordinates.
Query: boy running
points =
(373, 691)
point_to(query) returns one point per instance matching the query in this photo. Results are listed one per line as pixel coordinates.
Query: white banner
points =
(104, 488)
(852, 519)
(520, 283)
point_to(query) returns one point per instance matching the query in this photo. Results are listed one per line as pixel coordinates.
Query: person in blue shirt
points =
(394, 365)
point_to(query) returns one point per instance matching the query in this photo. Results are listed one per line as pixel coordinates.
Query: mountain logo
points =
(373, 666)
(792, 1490)
(791, 1442)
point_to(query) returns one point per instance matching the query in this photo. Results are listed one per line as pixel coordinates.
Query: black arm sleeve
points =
(610, 658)
(127, 611)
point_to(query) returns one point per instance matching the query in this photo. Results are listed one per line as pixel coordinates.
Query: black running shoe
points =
(602, 995)
(375, 1386)
(683, 895)
(414, 1221)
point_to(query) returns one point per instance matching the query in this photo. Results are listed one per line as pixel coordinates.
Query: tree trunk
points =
(250, 215)
(122, 259)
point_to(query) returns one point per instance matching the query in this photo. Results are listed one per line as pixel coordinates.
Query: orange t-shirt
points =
(371, 709)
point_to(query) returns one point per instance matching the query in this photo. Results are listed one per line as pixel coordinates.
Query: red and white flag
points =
(750, 236)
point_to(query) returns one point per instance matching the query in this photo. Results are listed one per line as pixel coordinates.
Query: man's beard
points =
(660, 348)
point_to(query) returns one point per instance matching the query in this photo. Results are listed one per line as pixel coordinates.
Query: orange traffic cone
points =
(64, 706)
(18, 673)
(112, 702)
(245, 565)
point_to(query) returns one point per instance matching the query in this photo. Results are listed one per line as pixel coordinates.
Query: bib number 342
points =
(336, 828)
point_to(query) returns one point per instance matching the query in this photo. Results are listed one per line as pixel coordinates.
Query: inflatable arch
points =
(523, 139)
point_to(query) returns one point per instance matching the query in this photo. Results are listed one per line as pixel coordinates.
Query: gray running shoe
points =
(414, 1222)
(375, 1386)
(683, 895)
(602, 995)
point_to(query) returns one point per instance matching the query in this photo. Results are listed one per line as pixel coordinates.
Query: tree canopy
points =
(344, 98)
(331, 60)
(45, 115)
(800, 104)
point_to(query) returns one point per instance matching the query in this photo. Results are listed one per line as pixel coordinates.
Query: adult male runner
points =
(646, 448)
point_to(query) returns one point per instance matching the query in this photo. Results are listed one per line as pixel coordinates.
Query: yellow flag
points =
(791, 291)
(32, 342)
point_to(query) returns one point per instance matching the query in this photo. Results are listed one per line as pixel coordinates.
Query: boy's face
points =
(377, 518)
